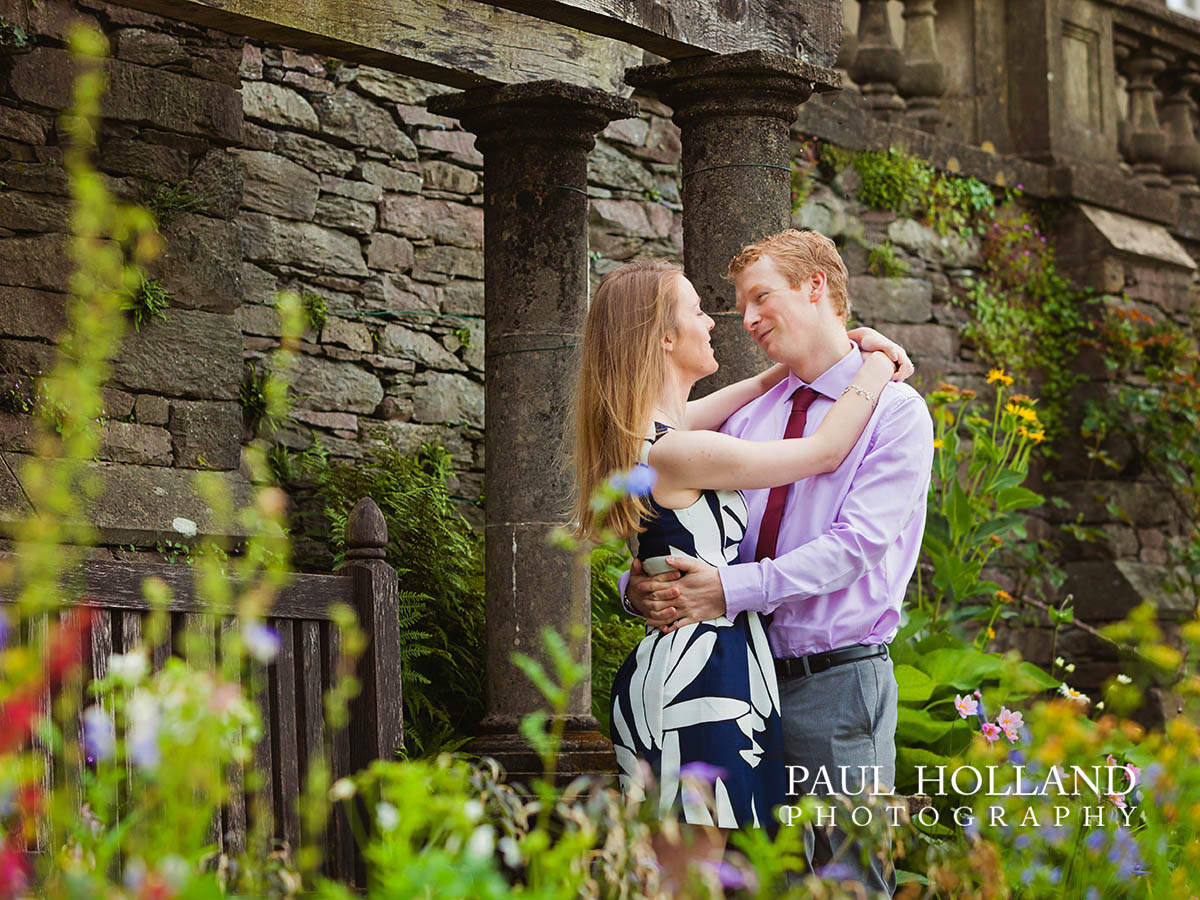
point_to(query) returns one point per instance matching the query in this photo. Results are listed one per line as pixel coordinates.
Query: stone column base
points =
(584, 751)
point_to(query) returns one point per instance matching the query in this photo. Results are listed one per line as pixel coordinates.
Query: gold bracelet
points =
(866, 395)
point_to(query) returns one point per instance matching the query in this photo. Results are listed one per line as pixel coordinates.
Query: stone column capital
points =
(552, 112)
(754, 83)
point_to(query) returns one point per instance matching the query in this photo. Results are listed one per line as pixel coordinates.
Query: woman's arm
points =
(707, 459)
(709, 413)
(869, 340)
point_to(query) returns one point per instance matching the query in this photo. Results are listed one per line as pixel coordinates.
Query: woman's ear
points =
(667, 342)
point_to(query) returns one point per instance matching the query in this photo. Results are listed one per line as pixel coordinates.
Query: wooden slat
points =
(456, 42)
(263, 802)
(284, 734)
(117, 584)
(234, 814)
(131, 630)
(806, 29)
(340, 862)
(308, 675)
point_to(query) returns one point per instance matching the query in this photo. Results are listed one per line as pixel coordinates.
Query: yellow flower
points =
(1021, 398)
(995, 375)
(1003, 596)
(1012, 408)
(991, 632)
(938, 444)
(1023, 431)
(1038, 436)
(1027, 414)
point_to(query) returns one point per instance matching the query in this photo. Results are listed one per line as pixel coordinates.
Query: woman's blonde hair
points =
(622, 369)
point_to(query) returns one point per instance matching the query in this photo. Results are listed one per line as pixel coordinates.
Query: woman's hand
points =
(868, 340)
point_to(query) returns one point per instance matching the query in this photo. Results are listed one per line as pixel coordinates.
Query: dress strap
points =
(657, 430)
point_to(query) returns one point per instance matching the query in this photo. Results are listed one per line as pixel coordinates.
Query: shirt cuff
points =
(743, 587)
(622, 584)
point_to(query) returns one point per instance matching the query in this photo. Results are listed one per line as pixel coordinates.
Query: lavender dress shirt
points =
(849, 539)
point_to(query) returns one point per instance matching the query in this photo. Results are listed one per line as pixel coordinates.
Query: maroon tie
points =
(768, 533)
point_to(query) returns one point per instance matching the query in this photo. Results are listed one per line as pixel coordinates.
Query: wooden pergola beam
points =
(808, 30)
(460, 43)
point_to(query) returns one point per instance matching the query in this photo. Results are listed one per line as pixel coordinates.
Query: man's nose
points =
(749, 319)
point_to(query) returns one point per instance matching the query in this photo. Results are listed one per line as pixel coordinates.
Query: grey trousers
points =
(844, 716)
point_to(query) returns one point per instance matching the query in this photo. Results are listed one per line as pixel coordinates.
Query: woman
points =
(703, 695)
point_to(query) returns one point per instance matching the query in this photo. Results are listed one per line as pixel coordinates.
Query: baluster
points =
(1147, 140)
(924, 76)
(878, 62)
(1182, 163)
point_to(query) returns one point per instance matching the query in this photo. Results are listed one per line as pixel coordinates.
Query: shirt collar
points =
(832, 382)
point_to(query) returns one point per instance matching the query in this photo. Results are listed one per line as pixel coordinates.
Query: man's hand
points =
(693, 593)
(650, 596)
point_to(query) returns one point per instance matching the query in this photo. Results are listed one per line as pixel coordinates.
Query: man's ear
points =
(819, 284)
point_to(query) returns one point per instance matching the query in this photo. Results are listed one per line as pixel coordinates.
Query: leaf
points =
(907, 760)
(917, 726)
(914, 685)
(959, 509)
(1004, 479)
(962, 668)
(1017, 498)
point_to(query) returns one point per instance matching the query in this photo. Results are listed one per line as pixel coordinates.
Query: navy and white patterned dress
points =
(705, 693)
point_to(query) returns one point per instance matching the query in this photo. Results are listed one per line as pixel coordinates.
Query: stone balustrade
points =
(1090, 83)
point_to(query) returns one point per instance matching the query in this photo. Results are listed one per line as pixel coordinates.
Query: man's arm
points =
(889, 487)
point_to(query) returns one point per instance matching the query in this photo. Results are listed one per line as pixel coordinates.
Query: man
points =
(829, 557)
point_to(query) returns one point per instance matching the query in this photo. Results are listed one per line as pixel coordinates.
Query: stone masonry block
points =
(303, 244)
(339, 386)
(201, 263)
(891, 299)
(275, 184)
(132, 443)
(191, 354)
(207, 434)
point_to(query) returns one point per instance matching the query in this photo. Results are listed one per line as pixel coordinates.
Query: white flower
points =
(186, 527)
(129, 667)
(1059, 661)
(1124, 679)
(512, 852)
(1100, 705)
(1069, 668)
(262, 641)
(482, 843)
(387, 816)
(144, 718)
(473, 809)
(1071, 694)
(343, 789)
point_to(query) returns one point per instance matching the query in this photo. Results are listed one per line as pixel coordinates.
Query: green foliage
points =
(146, 302)
(892, 179)
(801, 183)
(464, 335)
(1024, 315)
(1155, 408)
(834, 159)
(316, 312)
(439, 559)
(883, 262)
(615, 633)
(166, 201)
(976, 498)
(258, 385)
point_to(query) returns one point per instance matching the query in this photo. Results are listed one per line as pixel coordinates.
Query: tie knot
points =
(802, 399)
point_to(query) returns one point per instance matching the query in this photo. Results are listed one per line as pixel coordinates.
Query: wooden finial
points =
(366, 531)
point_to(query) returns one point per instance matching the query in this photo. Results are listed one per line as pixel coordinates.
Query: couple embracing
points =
(796, 496)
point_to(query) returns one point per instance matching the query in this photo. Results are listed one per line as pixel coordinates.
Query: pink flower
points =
(991, 731)
(966, 706)
(1118, 800)
(1011, 722)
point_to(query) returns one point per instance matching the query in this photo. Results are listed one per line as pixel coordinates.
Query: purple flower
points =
(701, 771)
(640, 480)
(99, 738)
(837, 871)
(731, 877)
(1094, 841)
(262, 641)
(4, 629)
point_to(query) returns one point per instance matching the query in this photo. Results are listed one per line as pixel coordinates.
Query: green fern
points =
(614, 632)
(439, 560)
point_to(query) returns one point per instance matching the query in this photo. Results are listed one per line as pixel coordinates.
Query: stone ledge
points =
(137, 503)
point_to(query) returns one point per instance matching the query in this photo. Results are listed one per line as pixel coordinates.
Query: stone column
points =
(535, 138)
(1147, 140)
(923, 76)
(734, 113)
(878, 63)
(1183, 151)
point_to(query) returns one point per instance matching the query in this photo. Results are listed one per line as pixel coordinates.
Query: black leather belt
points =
(799, 666)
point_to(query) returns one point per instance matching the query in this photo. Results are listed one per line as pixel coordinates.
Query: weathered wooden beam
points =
(808, 30)
(459, 43)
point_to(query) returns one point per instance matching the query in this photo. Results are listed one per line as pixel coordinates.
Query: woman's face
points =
(689, 346)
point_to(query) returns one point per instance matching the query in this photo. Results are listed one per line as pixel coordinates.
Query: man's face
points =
(777, 315)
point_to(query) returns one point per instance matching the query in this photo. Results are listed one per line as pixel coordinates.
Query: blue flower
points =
(1095, 840)
(3, 630)
(1023, 841)
(640, 480)
(1028, 875)
(99, 738)
(731, 877)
